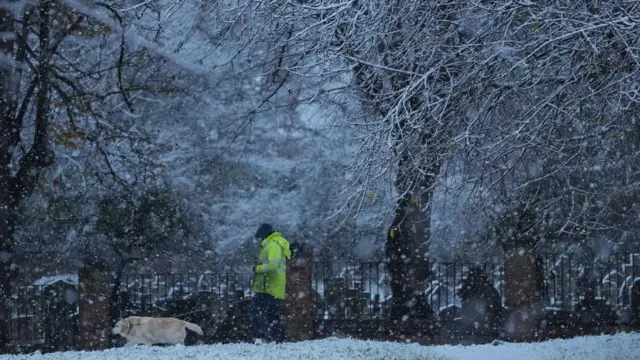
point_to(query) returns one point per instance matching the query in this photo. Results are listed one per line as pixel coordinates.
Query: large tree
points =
(22, 156)
(403, 62)
(69, 83)
(410, 80)
(564, 144)
(524, 92)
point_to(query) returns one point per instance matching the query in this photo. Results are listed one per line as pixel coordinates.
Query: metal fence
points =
(442, 289)
(363, 290)
(611, 279)
(344, 290)
(350, 290)
(28, 313)
(566, 280)
(181, 294)
(40, 314)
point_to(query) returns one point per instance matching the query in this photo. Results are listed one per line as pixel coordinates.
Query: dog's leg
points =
(130, 344)
(149, 340)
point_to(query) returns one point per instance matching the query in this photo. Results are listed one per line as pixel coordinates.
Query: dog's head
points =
(121, 327)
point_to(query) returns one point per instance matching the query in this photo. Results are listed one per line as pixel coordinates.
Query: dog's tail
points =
(193, 327)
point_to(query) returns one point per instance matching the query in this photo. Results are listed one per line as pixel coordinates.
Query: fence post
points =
(299, 303)
(93, 305)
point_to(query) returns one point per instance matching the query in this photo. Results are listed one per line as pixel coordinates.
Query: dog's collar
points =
(130, 327)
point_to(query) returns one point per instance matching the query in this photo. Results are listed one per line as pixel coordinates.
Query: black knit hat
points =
(264, 230)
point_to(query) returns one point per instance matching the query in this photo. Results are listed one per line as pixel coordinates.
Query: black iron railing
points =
(180, 294)
(610, 278)
(343, 290)
(28, 313)
(362, 289)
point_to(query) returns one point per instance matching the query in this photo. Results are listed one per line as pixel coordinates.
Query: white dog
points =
(148, 330)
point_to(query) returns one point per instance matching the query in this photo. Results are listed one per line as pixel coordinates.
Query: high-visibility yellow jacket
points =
(271, 271)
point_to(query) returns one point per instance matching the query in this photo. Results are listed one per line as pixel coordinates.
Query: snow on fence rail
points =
(346, 290)
(153, 294)
(611, 279)
(362, 289)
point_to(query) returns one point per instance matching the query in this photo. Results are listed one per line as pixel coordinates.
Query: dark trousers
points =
(265, 315)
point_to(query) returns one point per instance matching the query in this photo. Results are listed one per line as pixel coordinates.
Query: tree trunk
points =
(407, 254)
(116, 285)
(114, 296)
(7, 104)
(15, 186)
(6, 254)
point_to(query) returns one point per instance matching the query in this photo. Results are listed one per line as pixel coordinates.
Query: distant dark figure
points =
(449, 319)
(594, 313)
(481, 311)
(420, 322)
(269, 283)
(423, 312)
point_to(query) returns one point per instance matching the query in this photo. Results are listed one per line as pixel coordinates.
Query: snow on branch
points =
(133, 38)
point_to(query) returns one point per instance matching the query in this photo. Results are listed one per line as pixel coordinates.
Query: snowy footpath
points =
(618, 347)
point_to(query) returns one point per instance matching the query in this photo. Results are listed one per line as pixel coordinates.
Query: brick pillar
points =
(299, 304)
(93, 306)
(523, 290)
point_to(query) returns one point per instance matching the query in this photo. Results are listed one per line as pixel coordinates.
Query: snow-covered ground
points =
(618, 347)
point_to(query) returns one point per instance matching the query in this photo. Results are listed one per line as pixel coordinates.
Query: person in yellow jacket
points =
(269, 284)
